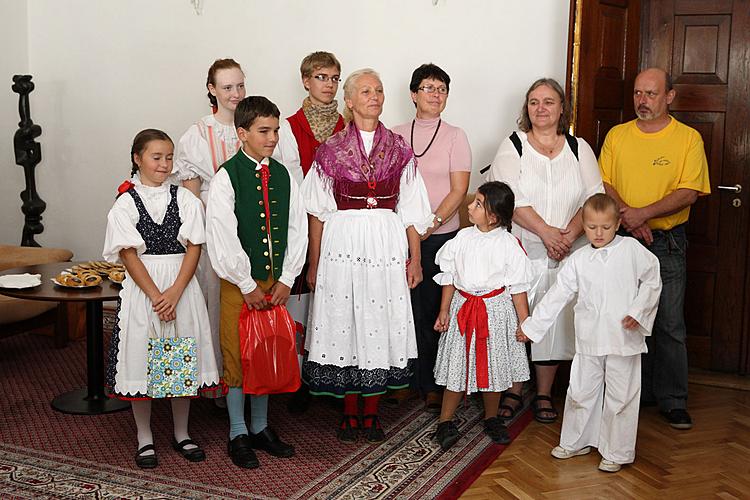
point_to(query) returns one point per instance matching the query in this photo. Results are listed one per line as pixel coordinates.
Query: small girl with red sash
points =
(478, 351)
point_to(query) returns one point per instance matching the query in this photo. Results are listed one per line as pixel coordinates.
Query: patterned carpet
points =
(46, 454)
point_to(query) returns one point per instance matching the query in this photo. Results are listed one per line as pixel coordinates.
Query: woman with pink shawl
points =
(368, 205)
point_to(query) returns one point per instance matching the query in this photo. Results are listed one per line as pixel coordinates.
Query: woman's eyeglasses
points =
(325, 78)
(429, 89)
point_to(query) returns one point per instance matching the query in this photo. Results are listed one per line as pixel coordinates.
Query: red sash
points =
(472, 317)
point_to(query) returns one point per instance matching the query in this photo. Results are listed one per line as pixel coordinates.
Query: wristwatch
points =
(438, 219)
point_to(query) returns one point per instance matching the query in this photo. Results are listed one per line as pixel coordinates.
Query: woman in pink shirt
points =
(444, 160)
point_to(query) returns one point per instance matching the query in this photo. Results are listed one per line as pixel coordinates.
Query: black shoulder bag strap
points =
(516, 144)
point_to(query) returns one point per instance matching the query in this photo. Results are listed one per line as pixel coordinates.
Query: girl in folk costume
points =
(156, 230)
(478, 351)
(369, 205)
(206, 145)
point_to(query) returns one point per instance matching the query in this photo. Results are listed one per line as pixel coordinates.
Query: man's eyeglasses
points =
(325, 78)
(430, 89)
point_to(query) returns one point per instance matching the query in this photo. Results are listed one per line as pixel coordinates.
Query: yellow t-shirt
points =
(644, 168)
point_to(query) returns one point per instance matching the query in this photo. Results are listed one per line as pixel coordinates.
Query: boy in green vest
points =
(256, 230)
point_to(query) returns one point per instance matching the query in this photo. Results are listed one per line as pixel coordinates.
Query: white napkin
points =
(25, 280)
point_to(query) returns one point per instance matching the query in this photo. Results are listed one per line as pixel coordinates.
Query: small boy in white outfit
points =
(618, 285)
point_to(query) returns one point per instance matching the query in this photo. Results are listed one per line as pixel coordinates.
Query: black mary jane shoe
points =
(191, 454)
(268, 441)
(374, 433)
(146, 461)
(496, 430)
(346, 432)
(447, 434)
(241, 452)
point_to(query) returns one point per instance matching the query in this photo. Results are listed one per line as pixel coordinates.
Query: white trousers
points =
(601, 406)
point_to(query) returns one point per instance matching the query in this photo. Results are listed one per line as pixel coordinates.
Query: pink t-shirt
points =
(450, 152)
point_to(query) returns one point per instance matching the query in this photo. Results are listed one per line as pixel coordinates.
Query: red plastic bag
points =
(268, 350)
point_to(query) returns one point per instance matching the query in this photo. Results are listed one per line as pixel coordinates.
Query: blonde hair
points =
(350, 85)
(601, 203)
(318, 60)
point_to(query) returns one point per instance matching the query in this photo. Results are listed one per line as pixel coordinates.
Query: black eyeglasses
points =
(325, 78)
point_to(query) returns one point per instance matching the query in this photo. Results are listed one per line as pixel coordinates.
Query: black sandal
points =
(192, 454)
(540, 411)
(512, 410)
(374, 433)
(346, 432)
(146, 461)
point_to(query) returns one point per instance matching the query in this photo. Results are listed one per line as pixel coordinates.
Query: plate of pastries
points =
(90, 274)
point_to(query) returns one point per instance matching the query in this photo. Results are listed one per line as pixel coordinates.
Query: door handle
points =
(737, 188)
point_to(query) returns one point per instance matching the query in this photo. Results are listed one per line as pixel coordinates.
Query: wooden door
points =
(607, 65)
(705, 45)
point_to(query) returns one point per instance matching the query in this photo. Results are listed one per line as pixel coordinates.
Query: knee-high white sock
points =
(180, 414)
(142, 416)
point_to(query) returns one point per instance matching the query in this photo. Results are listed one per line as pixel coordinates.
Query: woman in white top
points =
(206, 145)
(551, 174)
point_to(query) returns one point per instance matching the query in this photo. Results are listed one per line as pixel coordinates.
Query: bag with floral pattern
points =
(172, 363)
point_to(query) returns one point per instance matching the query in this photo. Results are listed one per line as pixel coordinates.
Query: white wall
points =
(14, 61)
(105, 70)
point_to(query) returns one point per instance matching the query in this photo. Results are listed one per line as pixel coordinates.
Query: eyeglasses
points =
(325, 78)
(429, 89)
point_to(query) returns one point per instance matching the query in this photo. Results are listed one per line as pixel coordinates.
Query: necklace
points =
(431, 140)
(545, 149)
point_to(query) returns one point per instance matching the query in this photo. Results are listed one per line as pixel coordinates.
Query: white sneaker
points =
(609, 466)
(562, 453)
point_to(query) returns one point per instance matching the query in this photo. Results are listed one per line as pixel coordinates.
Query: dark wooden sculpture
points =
(28, 155)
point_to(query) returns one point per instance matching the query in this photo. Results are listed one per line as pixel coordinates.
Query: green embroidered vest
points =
(265, 256)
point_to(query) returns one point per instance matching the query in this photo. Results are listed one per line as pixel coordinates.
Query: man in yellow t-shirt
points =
(655, 168)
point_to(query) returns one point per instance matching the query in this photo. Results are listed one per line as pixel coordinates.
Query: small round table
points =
(91, 399)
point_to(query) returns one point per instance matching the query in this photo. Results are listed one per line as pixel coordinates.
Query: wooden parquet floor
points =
(712, 460)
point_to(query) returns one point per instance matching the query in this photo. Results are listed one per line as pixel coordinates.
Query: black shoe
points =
(146, 461)
(191, 454)
(374, 433)
(300, 401)
(346, 432)
(678, 418)
(496, 430)
(268, 441)
(447, 434)
(241, 452)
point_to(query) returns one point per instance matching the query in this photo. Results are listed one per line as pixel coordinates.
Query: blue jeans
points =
(665, 367)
